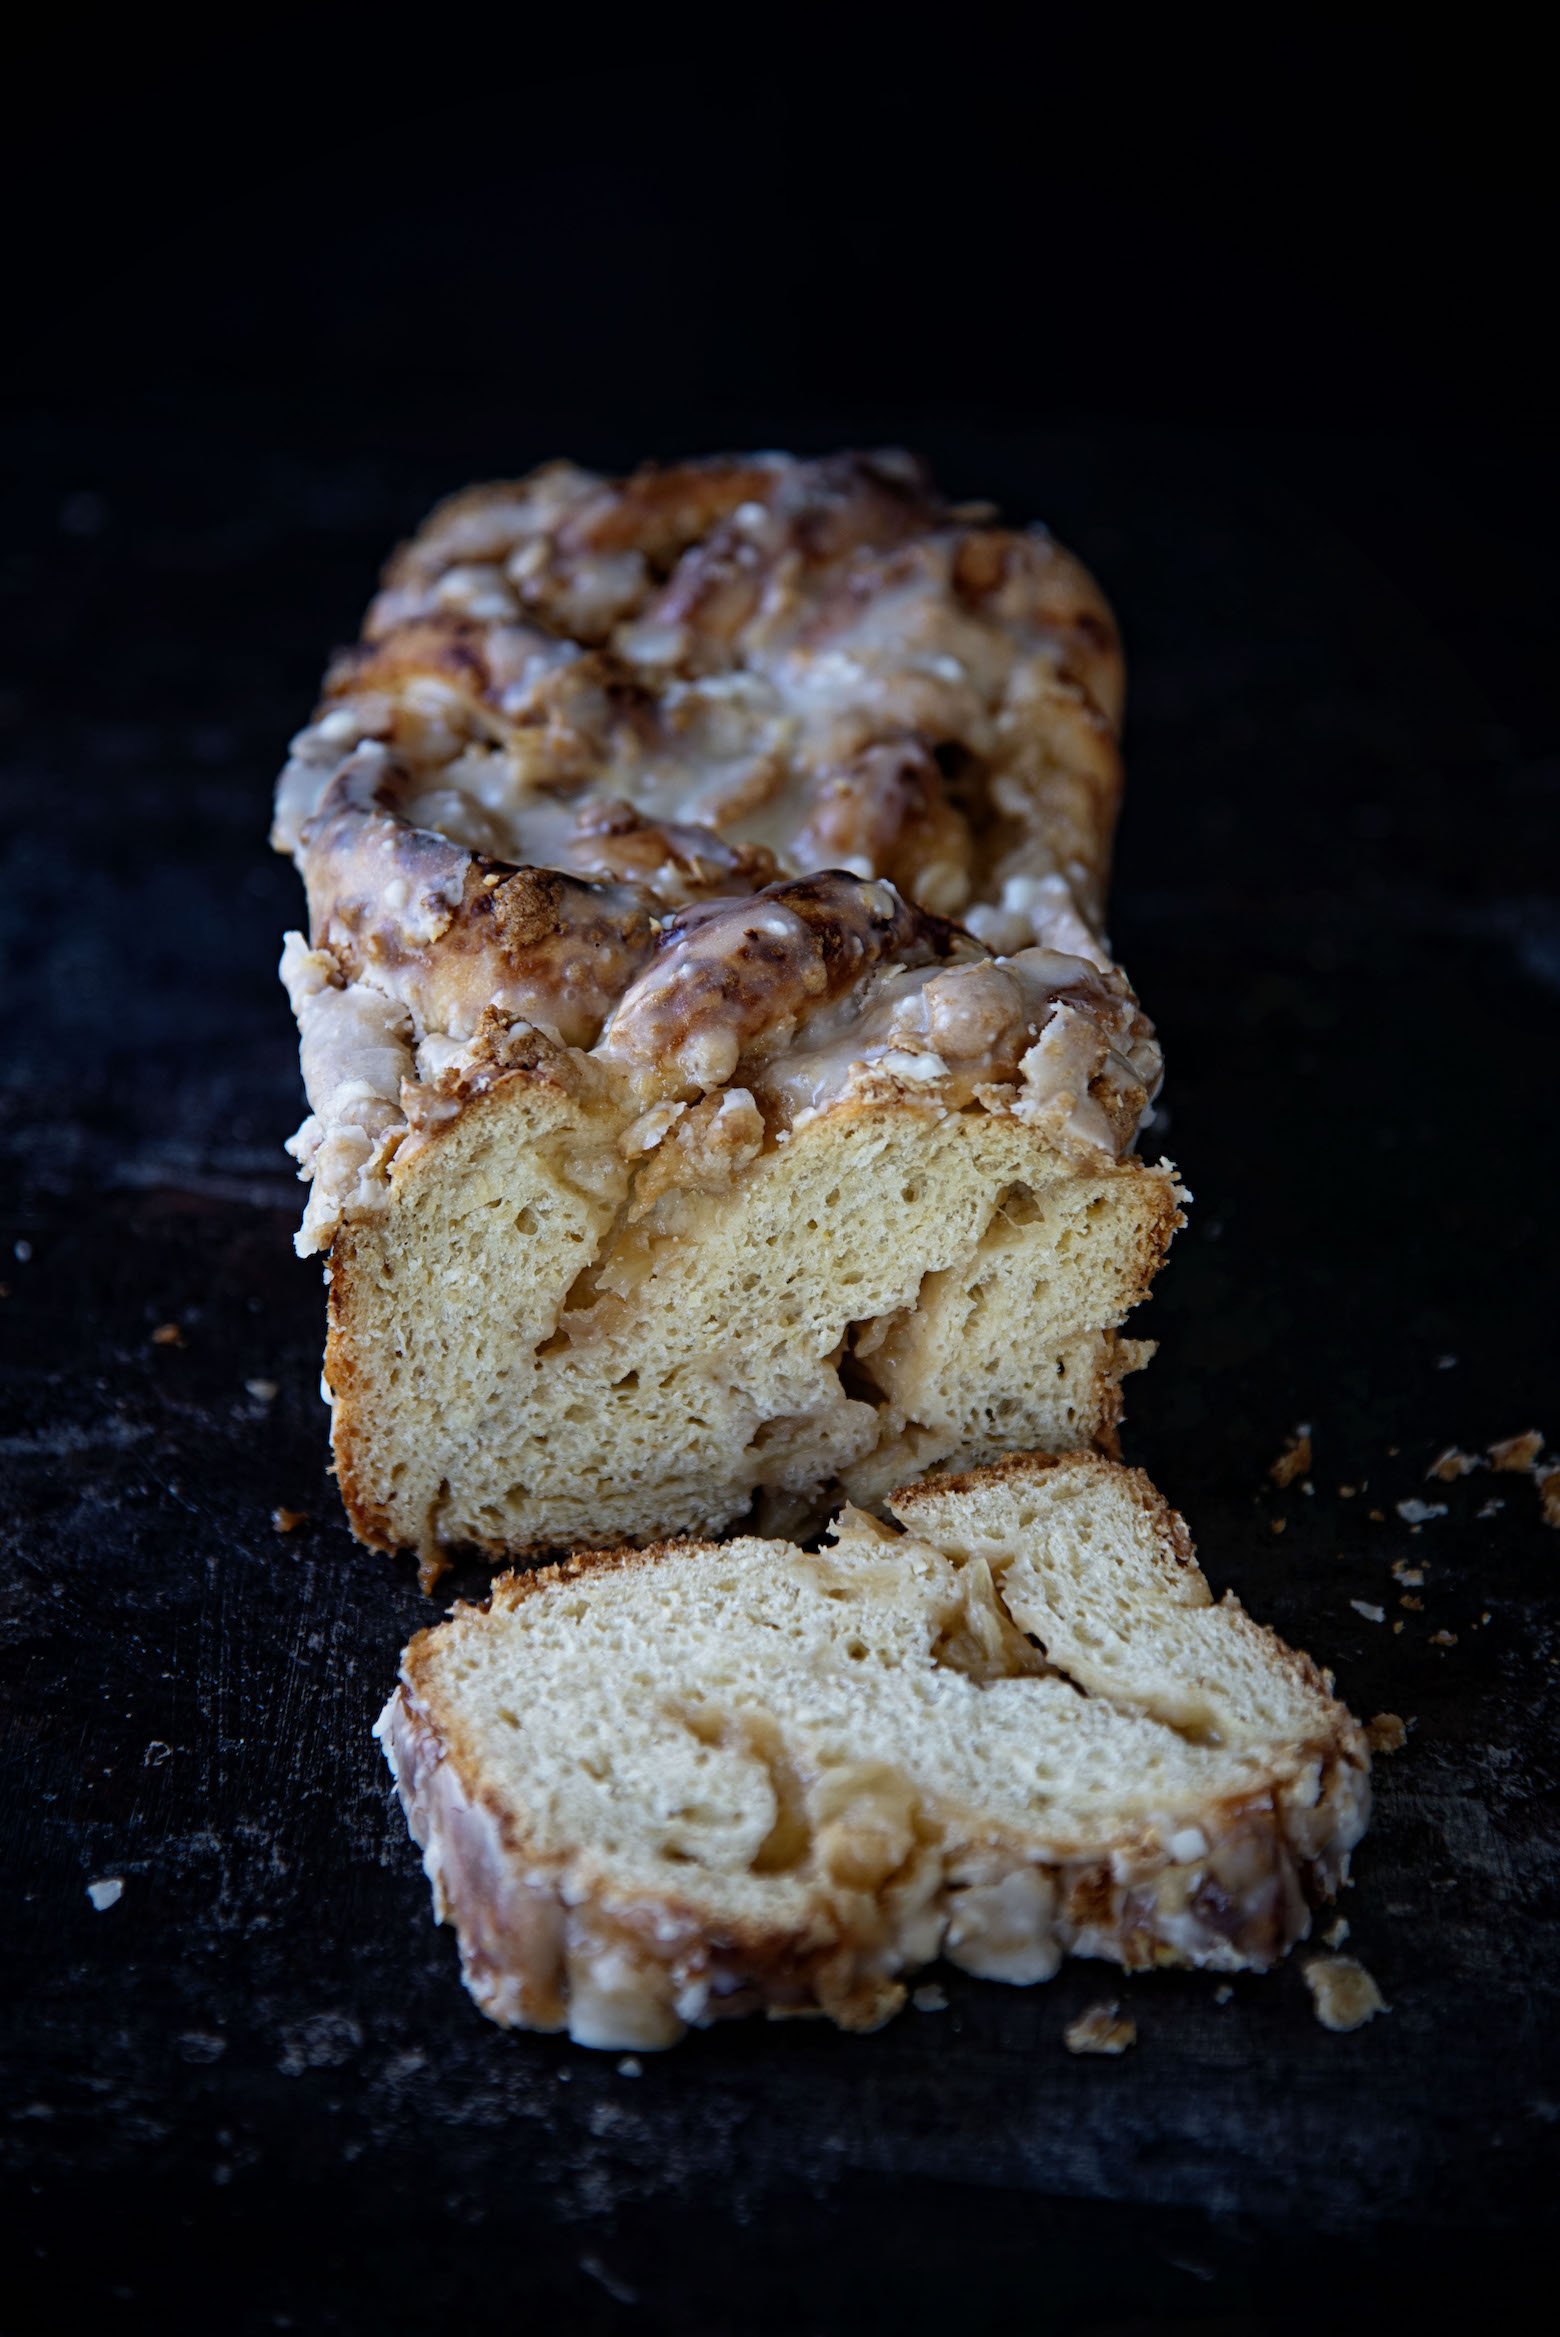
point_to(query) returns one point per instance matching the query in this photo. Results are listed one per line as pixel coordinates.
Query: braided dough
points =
(720, 1087)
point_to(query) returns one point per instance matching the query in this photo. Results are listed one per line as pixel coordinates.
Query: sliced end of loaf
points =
(540, 1344)
(657, 1788)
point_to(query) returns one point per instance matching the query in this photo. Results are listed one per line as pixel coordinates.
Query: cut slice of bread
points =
(656, 1788)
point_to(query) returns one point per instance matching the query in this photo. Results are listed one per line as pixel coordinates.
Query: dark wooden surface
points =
(256, 2078)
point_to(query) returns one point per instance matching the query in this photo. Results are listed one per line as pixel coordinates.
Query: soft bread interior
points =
(543, 1344)
(754, 1744)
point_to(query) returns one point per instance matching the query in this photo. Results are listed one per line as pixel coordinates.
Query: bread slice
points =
(671, 1145)
(658, 1788)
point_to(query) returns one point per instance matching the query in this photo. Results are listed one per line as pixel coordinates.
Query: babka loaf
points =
(722, 1095)
(655, 1788)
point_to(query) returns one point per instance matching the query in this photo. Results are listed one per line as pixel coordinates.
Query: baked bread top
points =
(696, 769)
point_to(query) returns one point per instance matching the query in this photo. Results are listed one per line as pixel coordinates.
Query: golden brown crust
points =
(832, 653)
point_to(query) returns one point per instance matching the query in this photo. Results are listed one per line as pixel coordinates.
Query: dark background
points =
(1259, 326)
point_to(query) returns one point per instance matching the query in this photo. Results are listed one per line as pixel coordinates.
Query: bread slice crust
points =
(884, 1848)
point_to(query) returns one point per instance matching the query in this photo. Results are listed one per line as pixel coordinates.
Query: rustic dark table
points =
(251, 2093)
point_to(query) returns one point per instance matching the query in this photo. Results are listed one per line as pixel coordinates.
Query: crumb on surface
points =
(1295, 1459)
(264, 1391)
(1343, 1992)
(1276, 1525)
(1223, 1993)
(1452, 1464)
(1415, 1512)
(1347, 1492)
(1101, 2028)
(1412, 1577)
(107, 1893)
(1549, 1497)
(1491, 1506)
(1516, 1452)
(1370, 1613)
(1378, 1517)
(1443, 1639)
(1387, 1733)
(1415, 1606)
(167, 1335)
(931, 1998)
(1337, 1933)
(287, 1521)
(629, 2067)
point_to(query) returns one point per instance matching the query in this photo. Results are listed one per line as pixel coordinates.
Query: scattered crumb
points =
(1392, 1451)
(1223, 1993)
(1443, 1639)
(264, 1391)
(1419, 1513)
(1484, 1618)
(167, 1335)
(21, 1252)
(5, 1289)
(1294, 1460)
(1347, 1492)
(929, 1999)
(629, 2067)
(618, 2290)
(1338, 1933)
(107, 1893)
(1378, 1517)
(1387, 1733)
(1446, 1363)
(1345, 1995)
(1370, 1613)
(1412, 1576)
(1397, 1626)
(1549, 1497)
(1491, 1506)
(1516, 1452)
(1452, 1464)
(1101, 2029)
(1308, 1487)
(287, 1521)
(1415, 1606)
(1276, 1525)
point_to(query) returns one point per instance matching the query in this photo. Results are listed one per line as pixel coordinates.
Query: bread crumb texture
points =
(1294, 1461)
(1517, 1452)
(659, 1788)
(1102, 2028)
(1343, 1993)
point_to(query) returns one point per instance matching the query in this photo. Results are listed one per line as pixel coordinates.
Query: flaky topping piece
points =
(735, 980)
